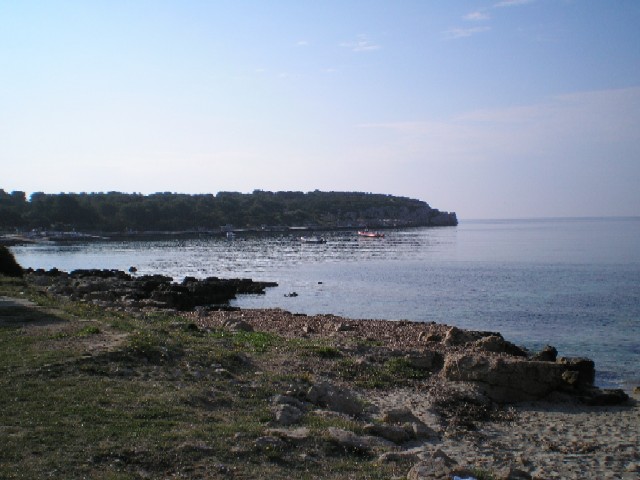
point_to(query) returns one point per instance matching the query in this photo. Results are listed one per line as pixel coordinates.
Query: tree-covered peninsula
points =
(173, 212)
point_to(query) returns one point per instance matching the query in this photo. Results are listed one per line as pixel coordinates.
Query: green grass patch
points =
(165, 400)
(393, 372)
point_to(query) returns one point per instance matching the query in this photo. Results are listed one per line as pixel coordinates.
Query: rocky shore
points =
(117, 289)
(430, 400)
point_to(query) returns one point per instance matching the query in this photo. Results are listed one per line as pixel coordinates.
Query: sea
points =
(573, 283)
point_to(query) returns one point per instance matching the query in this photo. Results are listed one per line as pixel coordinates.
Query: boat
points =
(312, 240)
(367, 233)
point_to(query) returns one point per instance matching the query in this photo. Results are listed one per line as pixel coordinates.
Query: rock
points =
(547, 354)
(505, 380)
(456, 336)
(288, 400)
(412, 455)
(404, 420)
(583, 366)
(604, 397)
(497, 344)
(191, 293)
(394, 433)
(296, 435)
(429, 337)
(426, 360)
(287, 414)
(399, 415)
(508, 380)
(337, 399)
(343, 327)
(238, 325)
(438, 467)
(356, 443)
(510, 473)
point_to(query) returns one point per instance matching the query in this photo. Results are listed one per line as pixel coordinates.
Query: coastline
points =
(321, 393)
(415, 427)
(557, 437)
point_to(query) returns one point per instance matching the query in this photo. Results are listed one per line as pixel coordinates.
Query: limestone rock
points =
(335, 398)
(497, 344)
(295, 435)
(399, 415)
(456, 336)
(238, 325)
(286, 414)
(505, 379)
(357, 443)
(438, 467)
(547, 354)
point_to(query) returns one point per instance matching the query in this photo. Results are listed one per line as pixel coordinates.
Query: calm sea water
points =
(571, 283)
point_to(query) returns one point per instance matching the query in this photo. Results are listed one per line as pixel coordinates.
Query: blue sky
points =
(492, 109)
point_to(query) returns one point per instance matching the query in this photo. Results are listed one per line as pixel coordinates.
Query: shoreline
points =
(459, 429)
(553, 438)
(426, 400)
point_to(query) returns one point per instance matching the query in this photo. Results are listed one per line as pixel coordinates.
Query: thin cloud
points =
(456, 33)
(477, 16)
(302, 43)
(361, 44)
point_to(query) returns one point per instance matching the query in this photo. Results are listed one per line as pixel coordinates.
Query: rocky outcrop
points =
(117, 288)
(513, 379)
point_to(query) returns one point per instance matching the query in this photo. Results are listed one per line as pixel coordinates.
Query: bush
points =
(8, 264)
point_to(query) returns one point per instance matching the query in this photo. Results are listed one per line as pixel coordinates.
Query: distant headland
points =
(116, 212)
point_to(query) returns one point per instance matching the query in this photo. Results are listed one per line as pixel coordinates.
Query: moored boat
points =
(367, 233)
(312, 240)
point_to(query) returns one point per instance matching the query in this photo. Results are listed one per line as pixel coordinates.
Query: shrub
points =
(8, 264)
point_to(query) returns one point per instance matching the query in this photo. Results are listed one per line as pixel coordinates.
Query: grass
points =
(392, 372)
(89, 393)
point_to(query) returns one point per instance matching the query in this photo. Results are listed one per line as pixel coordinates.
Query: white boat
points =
(312, 240)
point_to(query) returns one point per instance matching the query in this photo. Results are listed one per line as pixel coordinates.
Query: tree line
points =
(121, 212)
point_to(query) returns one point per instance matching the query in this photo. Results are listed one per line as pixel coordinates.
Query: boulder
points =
(497, 344)
(547, 354)
(237, 325)
(287, 414)
(605, 397)
(508, 380)
(356, 443)
(456, 336)
(438, 467)
(335, 398)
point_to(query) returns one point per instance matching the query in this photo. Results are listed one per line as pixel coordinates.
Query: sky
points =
(491, 109)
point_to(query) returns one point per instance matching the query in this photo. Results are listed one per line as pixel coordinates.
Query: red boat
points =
(367, 233)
